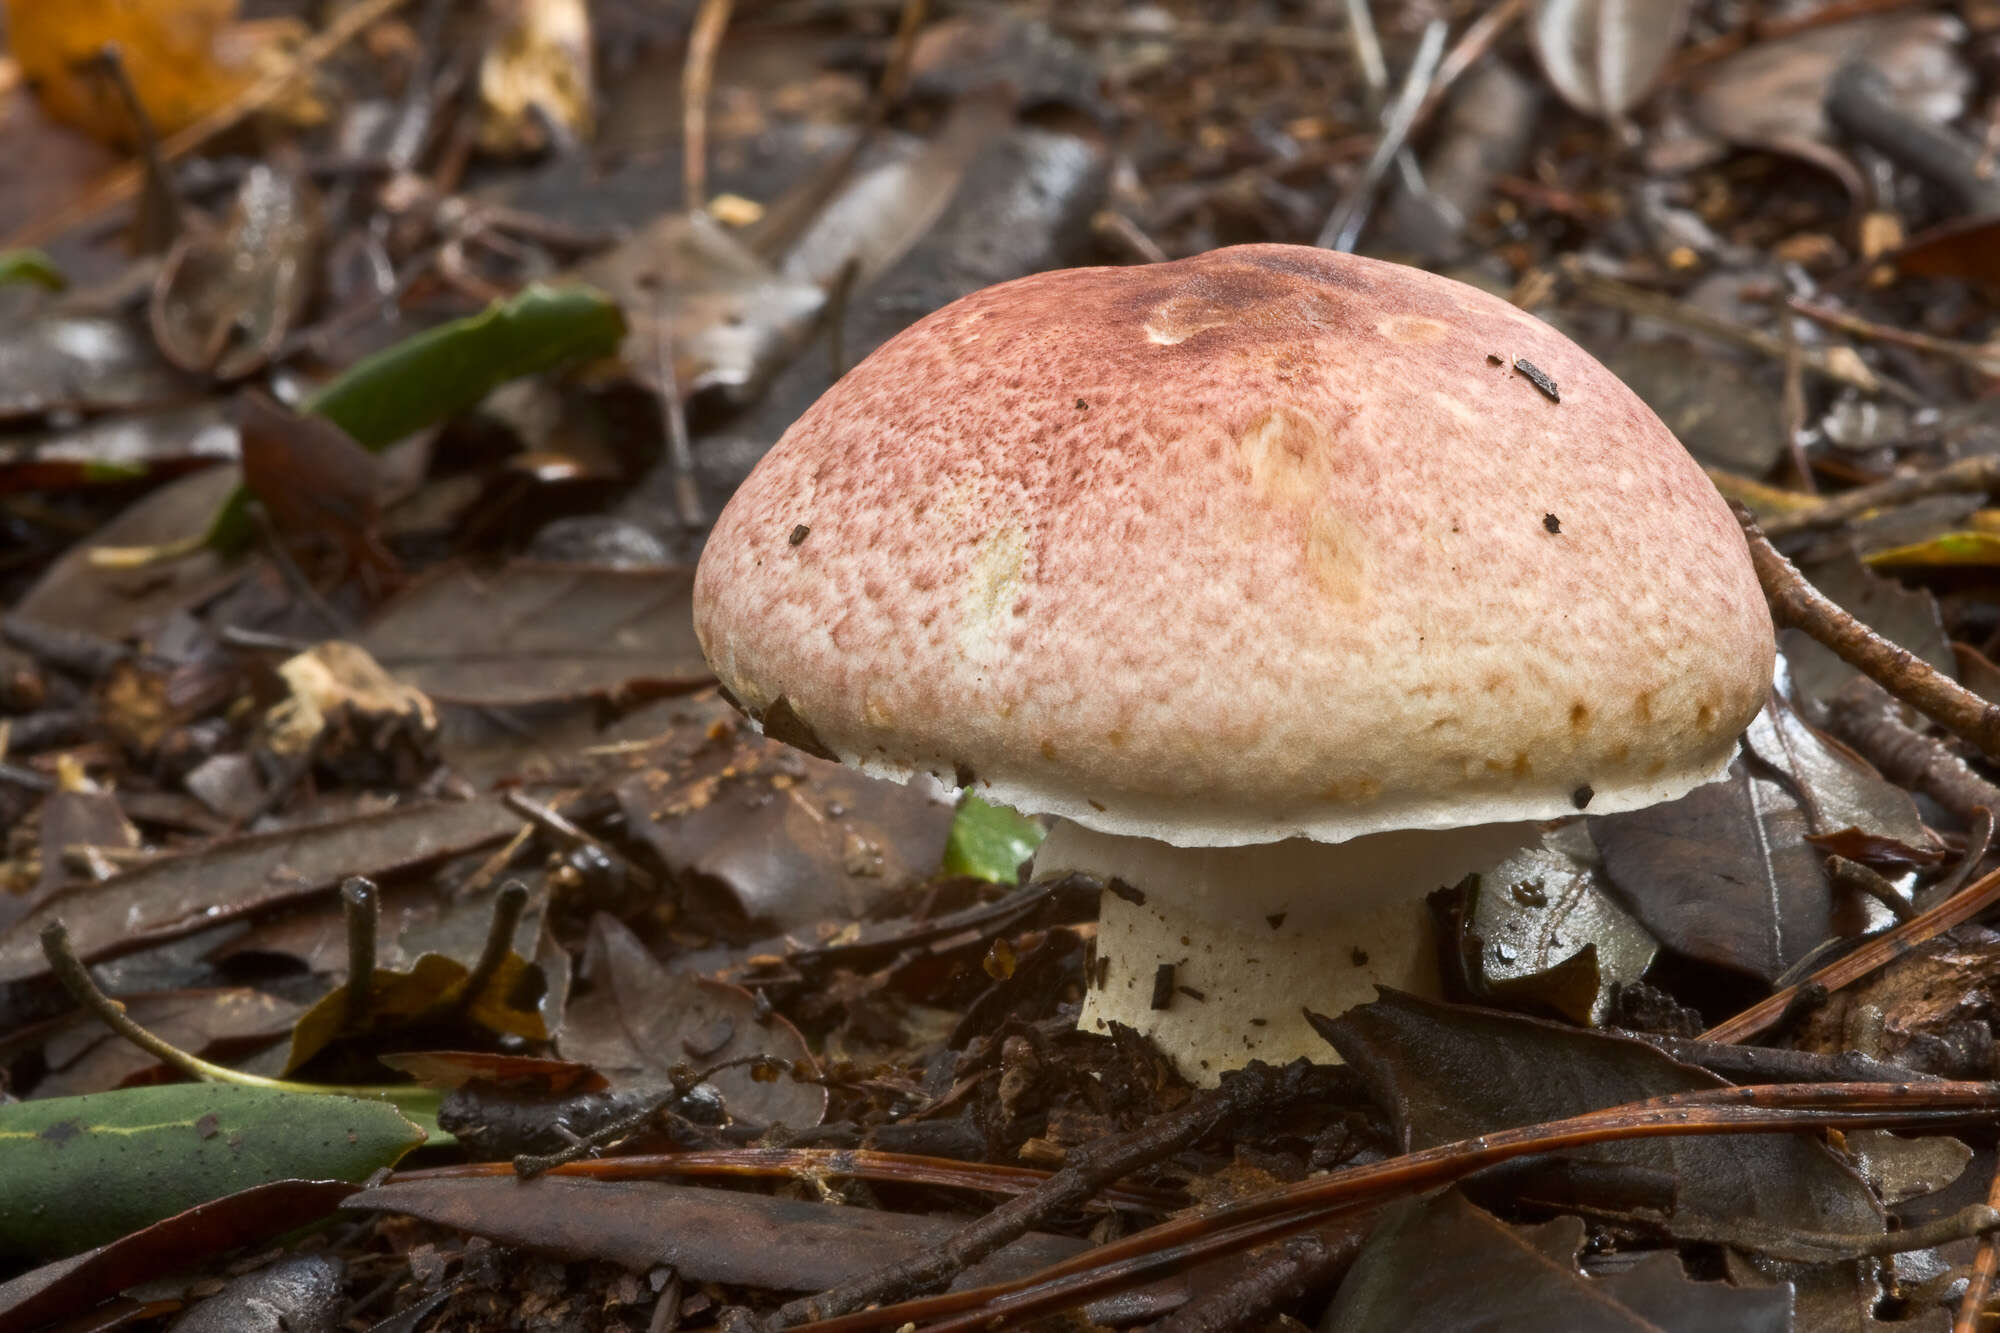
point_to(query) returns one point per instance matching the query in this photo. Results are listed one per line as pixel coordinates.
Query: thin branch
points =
(1985, 1263)
(1864, 717)
(1089, 1169)
(697, 78)
(1796, 604)
(1962, 906)
(1287, 1210)
(1978, 475)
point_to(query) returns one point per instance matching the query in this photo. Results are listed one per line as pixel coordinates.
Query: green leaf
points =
(76, 1172)
(31, 266)
(444, 371)
(990, 841)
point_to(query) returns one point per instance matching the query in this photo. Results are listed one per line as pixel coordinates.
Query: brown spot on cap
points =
(799, 534)
(1580, 798)
(1551, 523)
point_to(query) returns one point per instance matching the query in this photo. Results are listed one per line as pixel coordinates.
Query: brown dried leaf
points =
(707, 1235)
(178, 895)
(536, 633)
(1527, 1278)
(640, 1021)
(793, 839)
(1446, 1073)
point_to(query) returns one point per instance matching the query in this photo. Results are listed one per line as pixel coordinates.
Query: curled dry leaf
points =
(639, 1021)
(225, 299)
(1773, 94)
(1604, 56)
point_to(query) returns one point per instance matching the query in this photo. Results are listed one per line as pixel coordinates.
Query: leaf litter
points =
(227, 693)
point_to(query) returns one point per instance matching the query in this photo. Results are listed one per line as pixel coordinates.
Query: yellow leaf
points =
(171, 50)
(1948, 548)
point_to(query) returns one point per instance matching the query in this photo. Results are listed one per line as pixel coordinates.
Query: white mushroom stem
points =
(1255, 936)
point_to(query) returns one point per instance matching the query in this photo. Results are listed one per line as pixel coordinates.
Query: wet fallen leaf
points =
(707, 1235)
(640, 1021)
(79, 1171)
(535, 633)
(173, 896)
(1925, 1010)
(1841, 793)
(1506, 1278)
(1446, 1073)
(1723, 874)
(225, 298)
(1604, 56)
(1541, 929)
(1947, 550)
(300, 1293)
(76, 822)
(536, 72)
(1967, 249)
(71, 1286)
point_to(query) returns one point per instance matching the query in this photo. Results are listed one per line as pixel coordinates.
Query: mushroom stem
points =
(1216, 953)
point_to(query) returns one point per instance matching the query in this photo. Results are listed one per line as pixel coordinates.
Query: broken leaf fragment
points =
(990, 841)
(31, 266)
(78, 1171)
(536, 73)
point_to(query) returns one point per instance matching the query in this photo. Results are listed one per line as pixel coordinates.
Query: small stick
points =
(1978, 841)
(1984, 1265)
(1272, 1281)
(1111, 225)
(1796, 604)
(362, 907)
(1962, 906)
(1848, 370)
(1795, 402)
(1088, 1170)
(1973, 356)
(1847, 874)
(697, 78)
(1343, 228)
(1769, 1064)
(1864, 717)
(508, 905)
(1978, 475)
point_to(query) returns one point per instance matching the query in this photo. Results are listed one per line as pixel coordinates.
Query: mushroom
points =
(1295, 585)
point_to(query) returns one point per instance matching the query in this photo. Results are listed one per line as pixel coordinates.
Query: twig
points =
(563, 830)
(1088, 1170)
(117, 185)
(1858, 878)
(1795, 401)
(1772, 29)
(1978, 475)
(1978, 841)
(1479, 37)
(362, 908)
(1271, 1282)
(1976, 357)
(1343, 228)
(1769, 1064)
(1984, 1264)
(1863, 716)
(508, 905)
(1960, 907)
(820, 1164)
(76, 651)
(1796, 604)
(697, 78)
(1111, 225)
(673, 410)
(1295, 37)
(1312, 1203)
(1848, 370)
